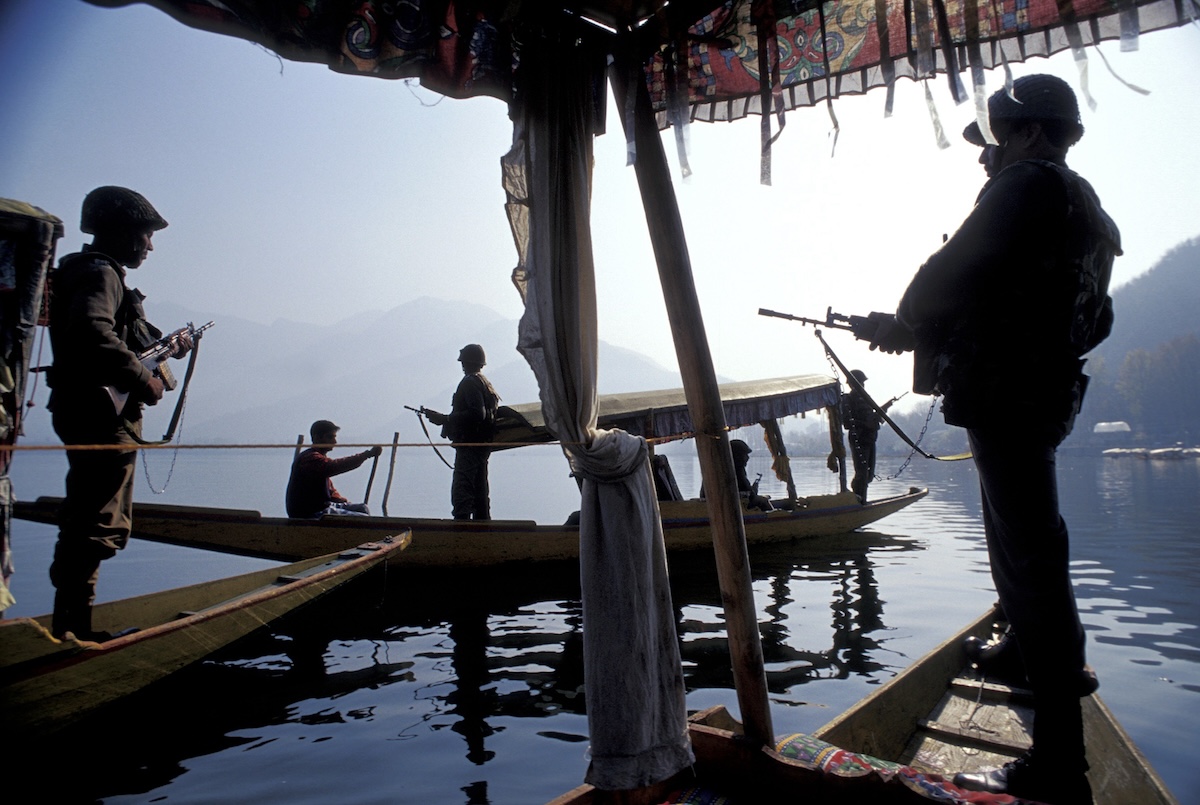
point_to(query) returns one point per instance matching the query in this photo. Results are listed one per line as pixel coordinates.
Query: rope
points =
(853, 381)
(262, 446)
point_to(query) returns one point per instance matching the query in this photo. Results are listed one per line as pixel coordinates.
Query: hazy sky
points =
(296, 192)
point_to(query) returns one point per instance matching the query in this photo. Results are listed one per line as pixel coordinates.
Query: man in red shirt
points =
(310, 490)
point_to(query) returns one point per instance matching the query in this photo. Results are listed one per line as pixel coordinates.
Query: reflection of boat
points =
(46, 684)
(465, 543)
(936, 718)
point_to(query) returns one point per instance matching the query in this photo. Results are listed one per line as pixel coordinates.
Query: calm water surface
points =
(466, 688)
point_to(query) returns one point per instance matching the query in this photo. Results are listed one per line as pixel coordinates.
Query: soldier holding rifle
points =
(470, 424)
(999, 319)
(862, 420)
(97, 329)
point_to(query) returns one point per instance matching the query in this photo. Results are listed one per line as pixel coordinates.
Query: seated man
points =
(748, 491)
(310, 491)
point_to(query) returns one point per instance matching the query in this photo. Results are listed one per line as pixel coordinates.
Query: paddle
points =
(387, 489)
(371, 480)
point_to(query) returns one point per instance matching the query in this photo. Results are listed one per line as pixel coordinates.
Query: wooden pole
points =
(299, 444)
(387, 489)
(371, 478)
(707, 412)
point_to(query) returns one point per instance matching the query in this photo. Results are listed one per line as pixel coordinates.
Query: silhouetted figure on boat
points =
(747, 490)
(999, 319)
(860, 418)
(310, 489)
(99, 385)
(471, 425)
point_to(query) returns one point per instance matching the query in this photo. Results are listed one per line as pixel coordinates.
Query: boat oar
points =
(371, 480)
(299, 444)
(387, 489)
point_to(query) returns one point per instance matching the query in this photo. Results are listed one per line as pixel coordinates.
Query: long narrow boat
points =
(448, 543)
(47, 684)
(463, 543)
(902, 743)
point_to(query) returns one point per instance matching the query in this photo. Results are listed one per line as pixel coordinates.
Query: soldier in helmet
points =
(470, 424)
(97, 327)
(999, 319)
(861, 419)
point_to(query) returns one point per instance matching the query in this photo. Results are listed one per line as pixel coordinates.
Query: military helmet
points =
(120, 208)
(859, 375)
(472, 353)
(1039, 97)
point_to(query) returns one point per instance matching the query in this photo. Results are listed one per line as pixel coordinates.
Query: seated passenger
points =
(747, 490)
(310, 490)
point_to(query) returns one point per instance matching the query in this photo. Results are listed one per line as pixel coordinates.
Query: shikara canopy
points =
(664, 413)
(722, 59)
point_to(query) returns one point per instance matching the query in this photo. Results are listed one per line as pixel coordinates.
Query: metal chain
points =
(174, 456)
(916, 443)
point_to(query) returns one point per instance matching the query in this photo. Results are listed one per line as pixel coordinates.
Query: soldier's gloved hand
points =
(436, 418)
(891, 335)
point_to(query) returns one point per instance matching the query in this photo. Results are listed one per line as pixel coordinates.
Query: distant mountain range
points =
(257, 383)
(1157, 306)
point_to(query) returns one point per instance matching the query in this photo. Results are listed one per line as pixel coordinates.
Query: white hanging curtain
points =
(637, 712)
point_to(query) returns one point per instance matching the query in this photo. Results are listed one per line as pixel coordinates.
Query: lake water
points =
(466, 688)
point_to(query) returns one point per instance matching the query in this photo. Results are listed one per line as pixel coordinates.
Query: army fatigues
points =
(97, 326)
(1002, 314)
(472, 419)
(862, 421)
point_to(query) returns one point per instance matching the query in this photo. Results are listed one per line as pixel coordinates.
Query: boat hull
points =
(912, 720)
(47, 684)
(442, 543)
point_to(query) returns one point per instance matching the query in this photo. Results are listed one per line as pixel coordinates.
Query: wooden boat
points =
(934, 719)
(47, 684)
(463, 543)
(657, 415)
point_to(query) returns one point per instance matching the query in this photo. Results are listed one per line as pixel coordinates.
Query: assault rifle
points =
(863, 327)
(425, 412)
(154, 358)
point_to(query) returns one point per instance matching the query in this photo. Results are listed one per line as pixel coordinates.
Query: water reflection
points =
(468, 687)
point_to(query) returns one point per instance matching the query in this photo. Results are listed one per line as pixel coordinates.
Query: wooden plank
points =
(973, 734)
(930, 754)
